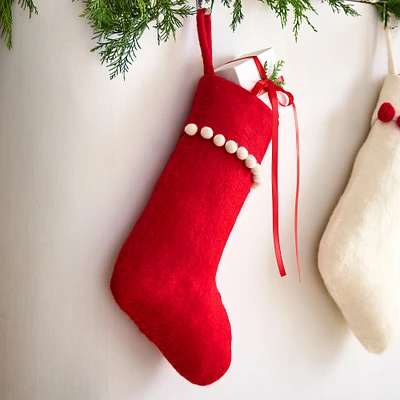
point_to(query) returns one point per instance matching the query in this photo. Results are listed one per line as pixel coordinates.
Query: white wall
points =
(79, 156)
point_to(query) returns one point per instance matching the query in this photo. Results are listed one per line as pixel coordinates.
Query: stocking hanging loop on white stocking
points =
(392, 70)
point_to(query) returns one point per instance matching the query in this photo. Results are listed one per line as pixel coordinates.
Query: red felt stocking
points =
(164, 277)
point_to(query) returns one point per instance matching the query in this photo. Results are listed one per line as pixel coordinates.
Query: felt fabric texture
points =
(359, 252)
(164, 277)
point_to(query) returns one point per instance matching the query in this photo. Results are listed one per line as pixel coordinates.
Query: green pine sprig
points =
(237, 14)
(276, 73)
(6, 19)
(6, 22)
(387, 9)
(282, 9)
(118, 26)
(28, 4)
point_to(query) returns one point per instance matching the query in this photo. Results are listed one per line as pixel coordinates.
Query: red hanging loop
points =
(205, 39)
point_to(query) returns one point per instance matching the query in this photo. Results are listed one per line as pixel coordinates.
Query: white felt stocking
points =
(359, 254)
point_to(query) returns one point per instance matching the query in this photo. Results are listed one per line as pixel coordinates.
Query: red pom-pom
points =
(386, 113)
(398, 121)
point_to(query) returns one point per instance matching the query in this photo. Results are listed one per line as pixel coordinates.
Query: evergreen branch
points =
(265, 67)
(276, 72)
(169, 16)
(281, 9)
(6, 17)
(119, 25)
(28, 4)
(387, 9)
(227, 3)
(6, 22)
(300, 9)
(237, 14)
(338, 6)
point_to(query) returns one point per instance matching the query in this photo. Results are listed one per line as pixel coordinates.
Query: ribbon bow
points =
(265, 85)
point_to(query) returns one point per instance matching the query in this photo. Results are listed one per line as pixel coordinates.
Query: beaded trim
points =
(231, 147)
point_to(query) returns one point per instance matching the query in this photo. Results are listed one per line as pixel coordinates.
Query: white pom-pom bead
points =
(258, 178)
(231, 146)
(219, 140)
(250, 161)
(255, 185)
(206, 132)
(242, 153)
(256, 170)
(191, 129)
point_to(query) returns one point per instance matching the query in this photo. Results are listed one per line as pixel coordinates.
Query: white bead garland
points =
(256, 170)
(231, 147)
(250, 161)
(206, 132)
(191, 129)
(242, 153)
(258, 178)
(219, 140)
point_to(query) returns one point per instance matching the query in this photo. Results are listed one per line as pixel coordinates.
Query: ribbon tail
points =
(296, 207)
(274, 173)
(262, 86)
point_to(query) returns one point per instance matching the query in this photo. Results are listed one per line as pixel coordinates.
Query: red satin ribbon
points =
(265, 85)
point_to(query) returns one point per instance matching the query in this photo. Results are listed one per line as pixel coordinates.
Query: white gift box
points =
(245, 74)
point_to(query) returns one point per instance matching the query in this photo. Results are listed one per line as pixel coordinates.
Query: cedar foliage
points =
(118, 25)
(6, 17)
